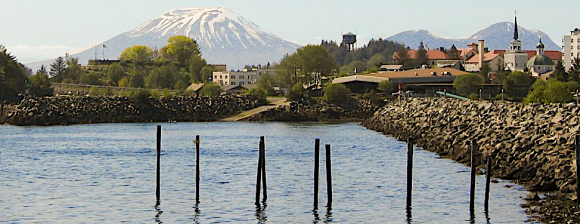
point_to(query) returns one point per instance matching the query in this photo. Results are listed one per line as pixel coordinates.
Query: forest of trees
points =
(367, 58)
(174, 66)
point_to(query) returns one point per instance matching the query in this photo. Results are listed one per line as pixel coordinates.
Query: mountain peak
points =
(496, 36)
(223, 36)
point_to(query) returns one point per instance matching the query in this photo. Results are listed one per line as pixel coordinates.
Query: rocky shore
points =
(313, 110)
(532, 145)
(83, 110)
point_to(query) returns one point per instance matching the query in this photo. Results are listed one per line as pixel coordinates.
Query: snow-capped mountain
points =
(496, 36)
(223, 36)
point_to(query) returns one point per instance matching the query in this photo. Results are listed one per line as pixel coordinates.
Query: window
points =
(226, 76)
(241, 77)
(241, 83)
(233, 76)
(220, 76)
(233, 83)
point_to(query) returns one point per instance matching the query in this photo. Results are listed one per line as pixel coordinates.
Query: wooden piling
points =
(409, 171)
(328, 175)
(487, 183)
(577, 146)
(473, 170)
(158, 177)
(259, 176)
(316, 170)
(197, 179)
(263, 151)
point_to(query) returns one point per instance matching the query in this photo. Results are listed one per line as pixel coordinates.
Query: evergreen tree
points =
(421, 56)
(57, 69)
(560, 73)
(12, 76)
(575, 71)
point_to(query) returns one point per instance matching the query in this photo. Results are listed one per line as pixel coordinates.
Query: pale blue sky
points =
(42, 29)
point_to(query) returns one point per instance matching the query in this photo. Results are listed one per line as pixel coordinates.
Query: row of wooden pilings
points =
(261, 186)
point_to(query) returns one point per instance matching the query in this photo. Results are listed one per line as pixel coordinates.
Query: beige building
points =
(571, 48)
(238, 78)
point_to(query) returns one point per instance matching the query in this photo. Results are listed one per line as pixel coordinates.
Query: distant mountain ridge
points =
(497, 36)
(223, 36)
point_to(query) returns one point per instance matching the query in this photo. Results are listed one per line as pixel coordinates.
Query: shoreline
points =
(530, 145)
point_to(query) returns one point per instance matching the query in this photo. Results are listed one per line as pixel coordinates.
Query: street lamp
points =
(479, 94)
(501, 94)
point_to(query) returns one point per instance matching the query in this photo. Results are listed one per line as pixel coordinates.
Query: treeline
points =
(174, 66)
(367, 58)
(15, 78)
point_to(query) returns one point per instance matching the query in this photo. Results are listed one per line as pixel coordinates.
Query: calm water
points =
(106, 173)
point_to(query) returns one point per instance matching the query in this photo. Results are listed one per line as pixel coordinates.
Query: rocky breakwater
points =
(319, 110)
(81, 110)
(533, 144)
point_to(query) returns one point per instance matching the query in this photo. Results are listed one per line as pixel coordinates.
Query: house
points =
(433, 56)
(195, 87)
(233, 89)
(493, 60)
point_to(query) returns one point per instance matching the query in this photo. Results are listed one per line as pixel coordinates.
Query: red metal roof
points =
(554, 55)
(431, 55)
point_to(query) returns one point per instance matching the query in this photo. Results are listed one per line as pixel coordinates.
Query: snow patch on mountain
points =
(496, 36)
(223, 36)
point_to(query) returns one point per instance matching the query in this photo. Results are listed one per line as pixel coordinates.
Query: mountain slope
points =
(224, 37)
(496, 36)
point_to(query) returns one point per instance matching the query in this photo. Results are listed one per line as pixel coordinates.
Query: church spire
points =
(516, 35)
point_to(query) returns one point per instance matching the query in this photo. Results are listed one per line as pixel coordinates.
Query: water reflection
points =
(196, 213)
(316, 215)
(261, 212)
(158, 211)
(328, 216)
(471, 216)
(409, 214)
(486, 212)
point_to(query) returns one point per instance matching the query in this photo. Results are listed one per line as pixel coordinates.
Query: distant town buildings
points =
(240, 78)
(515, 58)
(540, 63)
(571, 48)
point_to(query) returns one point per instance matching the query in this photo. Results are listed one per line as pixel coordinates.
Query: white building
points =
(515, 58)
(571, 48)
(540, 63)
(238, 78)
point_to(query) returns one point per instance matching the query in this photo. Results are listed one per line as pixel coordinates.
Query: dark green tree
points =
(468, 84)
(137, 78)
(386, 87)
(12, 76)
(421, 56)
(57, 69)
(210, 89)
(575, 71)
(40, 84)
(196, 64)
(116, 73)
(162, 77)
(517, 85)
(560, 73)
(336, 93)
